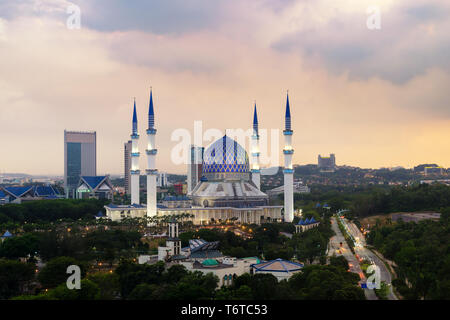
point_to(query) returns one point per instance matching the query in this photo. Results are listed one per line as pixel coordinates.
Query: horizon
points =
(183, 173)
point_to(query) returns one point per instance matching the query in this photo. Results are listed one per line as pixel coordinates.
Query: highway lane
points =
(344, 250)
(363, 252)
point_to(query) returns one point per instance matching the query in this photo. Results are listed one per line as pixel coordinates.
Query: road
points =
(344, 250)
(365, 253)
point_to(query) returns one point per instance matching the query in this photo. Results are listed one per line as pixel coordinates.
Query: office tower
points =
(194, 167)
(80, 158)
(151, 160)
(161, 180)
(256, 173)
(127, 166)
(134, 172)
(288, 170)
(327, 164)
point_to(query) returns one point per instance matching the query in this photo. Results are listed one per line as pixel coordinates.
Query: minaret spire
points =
(151, 112)
(255, 120)
(135, 129)
(256, 173)
(288, 169)
(288, 114)
(135, 172)
(151, 160)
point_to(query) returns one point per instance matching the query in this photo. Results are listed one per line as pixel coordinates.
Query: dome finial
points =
(288, 113)
(255, 120)
(151, 111)
(134, 127)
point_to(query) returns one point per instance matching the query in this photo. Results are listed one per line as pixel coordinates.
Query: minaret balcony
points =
(256, 170)
(151, 131)
(135, 154)
(288, 151)
(255, 154)
(151, 152)
(288, 132)
(135, 136)
(286, 170)
(135, 171)
(151, 171)
(255, 136)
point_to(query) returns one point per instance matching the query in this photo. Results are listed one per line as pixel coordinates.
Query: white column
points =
(135, 169)
(151, 172)
(256, 173)
(288, 177)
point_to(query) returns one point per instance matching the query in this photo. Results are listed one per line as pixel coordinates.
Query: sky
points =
(374, 97)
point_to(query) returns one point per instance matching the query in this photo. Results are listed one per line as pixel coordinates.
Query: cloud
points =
(412, 40)
(343, 98)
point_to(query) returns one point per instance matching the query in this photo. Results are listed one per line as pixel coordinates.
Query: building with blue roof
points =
(306, 224)
(4, 197)
(281, 269)
(6, 235)
(29, 193)
(98, 187)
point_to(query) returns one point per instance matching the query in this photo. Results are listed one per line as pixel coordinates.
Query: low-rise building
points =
(281, 269)
(226, 269)
(98, 187)
(30, 193)
(306, 224)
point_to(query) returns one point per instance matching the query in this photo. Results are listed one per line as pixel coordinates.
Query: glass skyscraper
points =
(80, 158)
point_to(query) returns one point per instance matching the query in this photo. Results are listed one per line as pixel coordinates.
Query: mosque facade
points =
(229, 189)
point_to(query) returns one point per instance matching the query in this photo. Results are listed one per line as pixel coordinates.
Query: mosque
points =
(228, 189)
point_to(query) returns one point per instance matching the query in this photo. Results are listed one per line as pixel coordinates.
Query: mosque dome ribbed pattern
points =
(225, 156)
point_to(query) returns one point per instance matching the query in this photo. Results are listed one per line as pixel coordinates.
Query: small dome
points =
(210, 263)
(225, 156)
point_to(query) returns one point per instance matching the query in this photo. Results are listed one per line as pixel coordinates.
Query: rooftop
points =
(278, 265)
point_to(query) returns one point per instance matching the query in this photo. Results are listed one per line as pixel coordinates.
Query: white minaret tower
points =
(256, 173)
(151, 161)
(288, 170)
(135, 172)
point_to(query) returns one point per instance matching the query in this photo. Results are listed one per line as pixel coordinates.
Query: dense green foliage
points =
(315, 282)
(312, 243)
(88, 291)
(370, 200)
(154, 282)
(421, 252)
(100, 244)
(402, 199)
(55, 271)
(267, 242)
(50, 210)
(16, 247)
(14, 277)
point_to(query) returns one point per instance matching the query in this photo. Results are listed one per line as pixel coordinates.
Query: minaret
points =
(135, 159)
(288, 170)
(151, 160)
(173, 241)
(256, 174)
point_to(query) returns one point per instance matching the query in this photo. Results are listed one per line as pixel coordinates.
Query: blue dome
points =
(225, 155)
